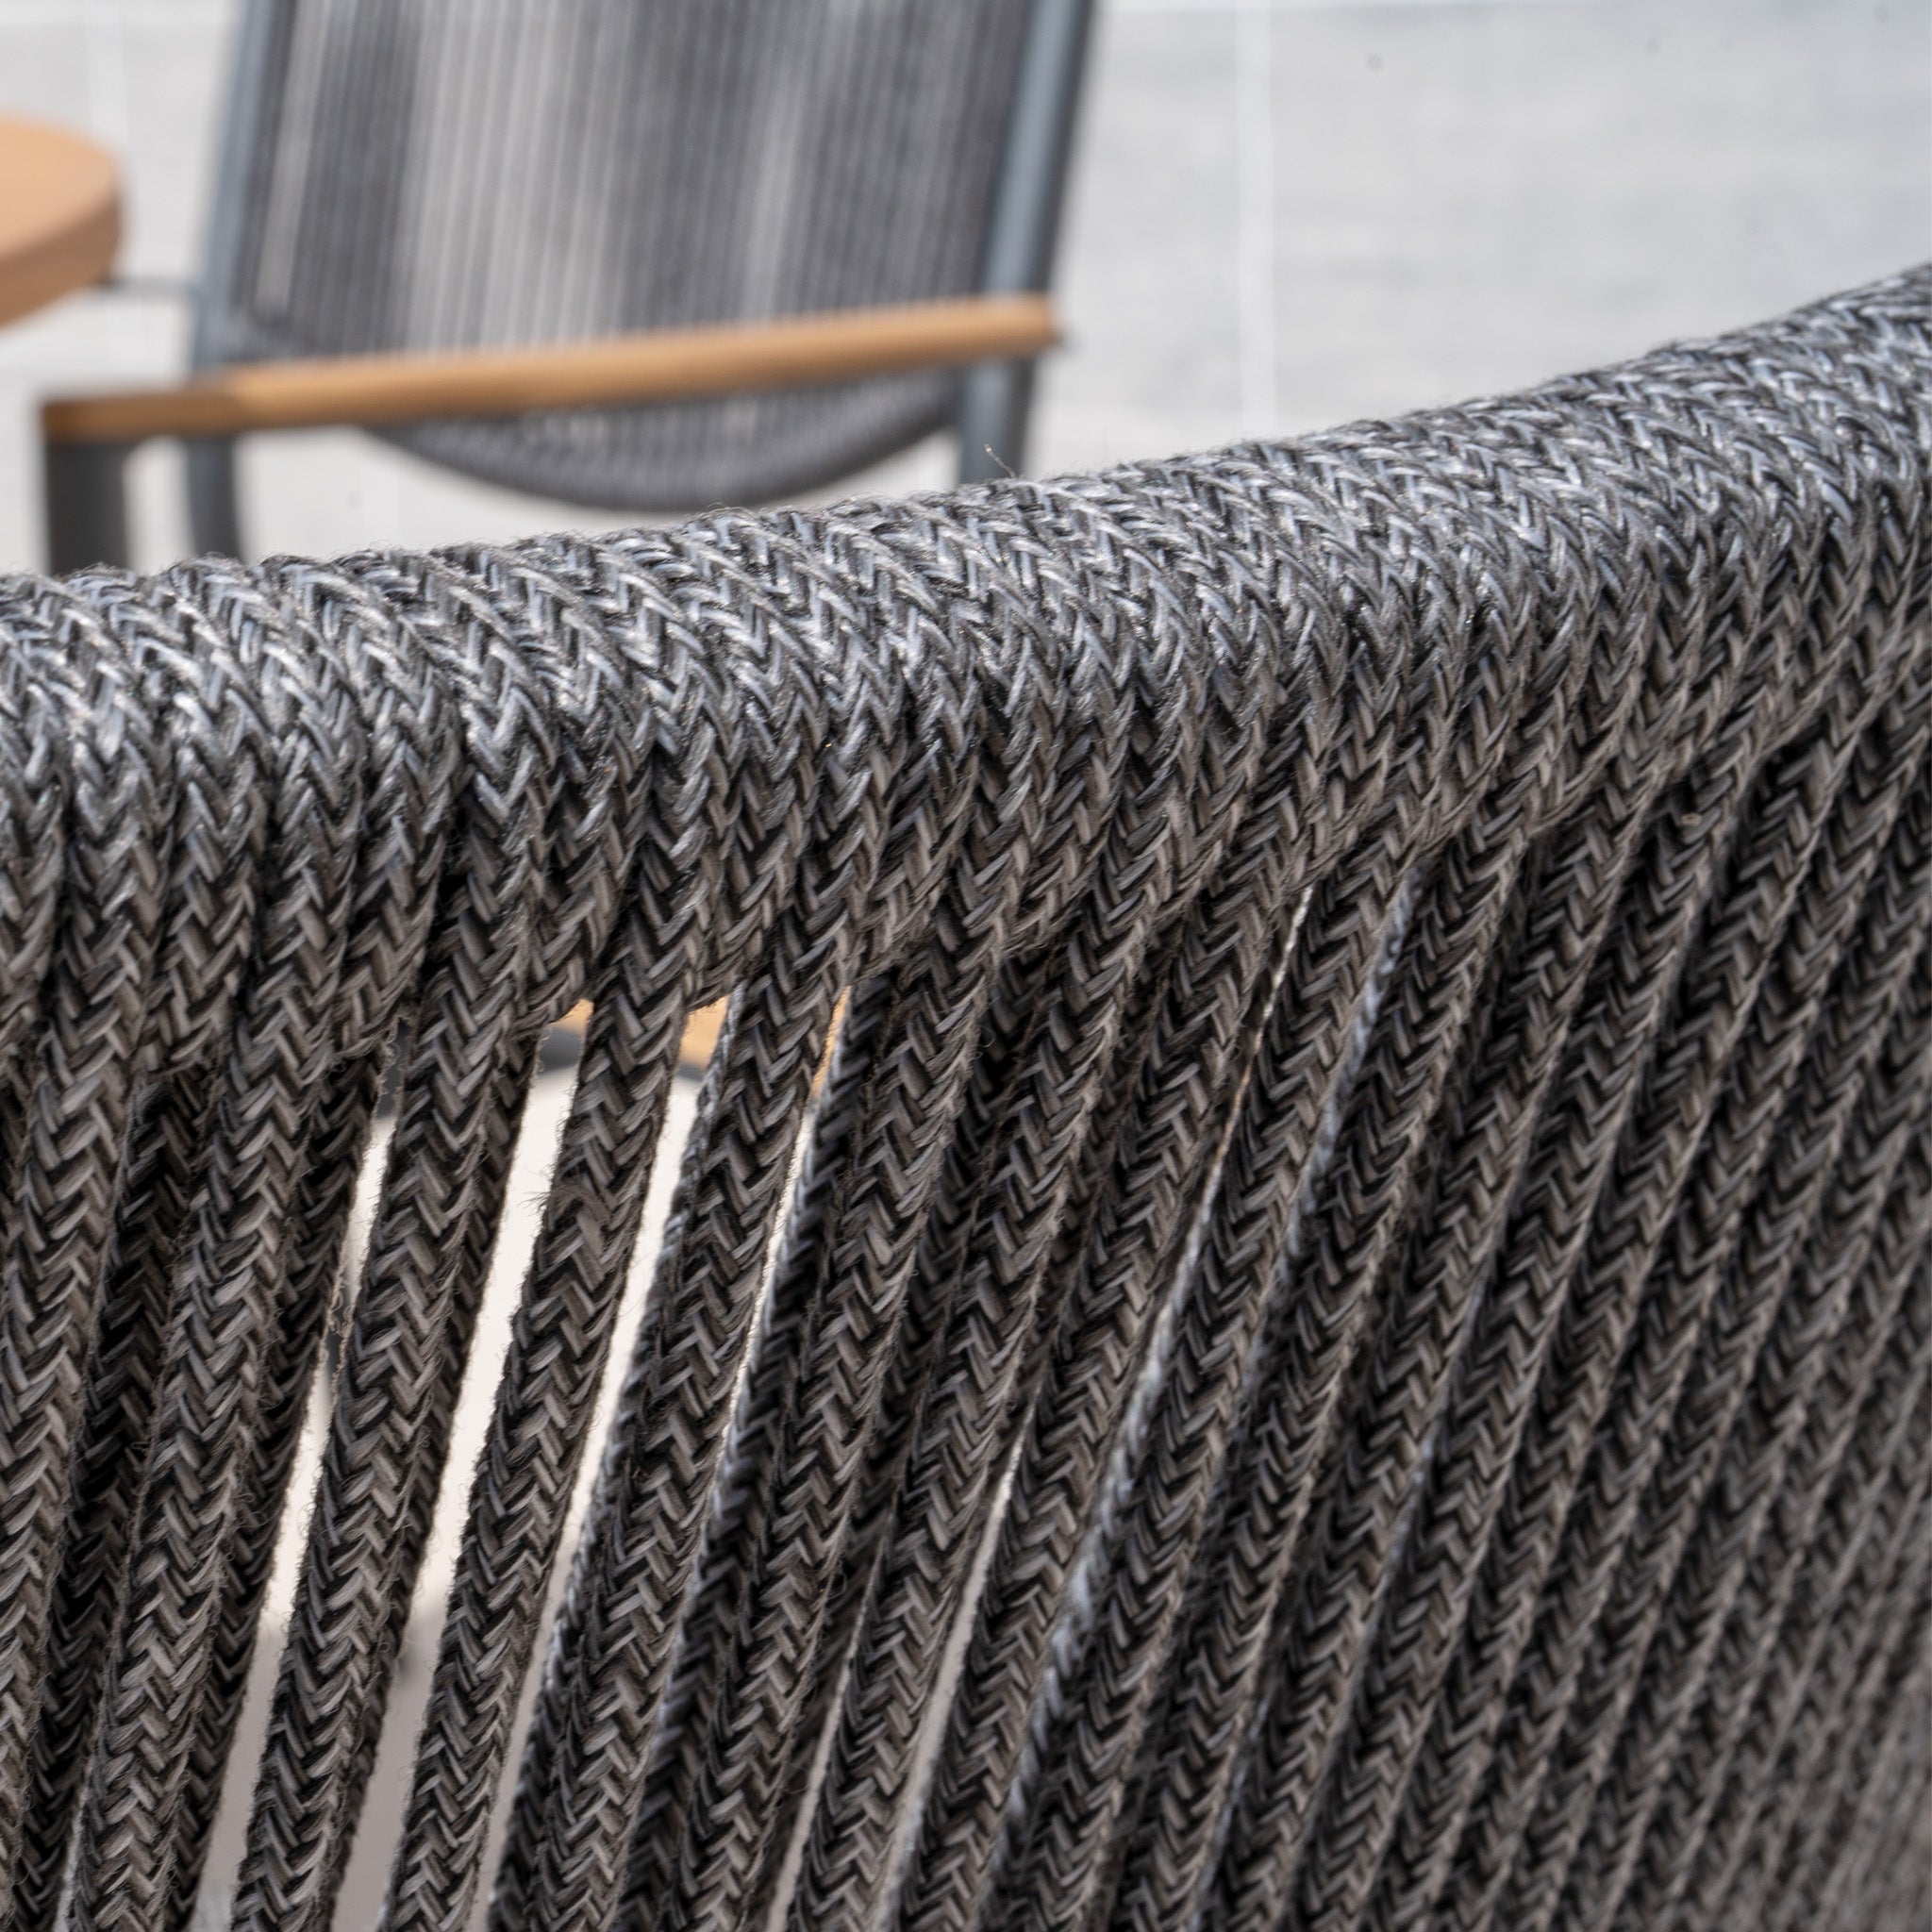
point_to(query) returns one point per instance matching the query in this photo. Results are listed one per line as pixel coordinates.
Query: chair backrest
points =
(1341, 1338)
(438, 173)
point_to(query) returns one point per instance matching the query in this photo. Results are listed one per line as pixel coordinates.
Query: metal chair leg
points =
(995, 400)
(214, 518)
(87, 505)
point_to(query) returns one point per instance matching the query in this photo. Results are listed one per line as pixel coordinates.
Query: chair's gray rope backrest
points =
(1343, 1342)
(445, 173)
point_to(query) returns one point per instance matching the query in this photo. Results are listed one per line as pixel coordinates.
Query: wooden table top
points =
(59, 214)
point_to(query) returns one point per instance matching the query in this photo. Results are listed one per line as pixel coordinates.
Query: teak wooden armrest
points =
(663, 365)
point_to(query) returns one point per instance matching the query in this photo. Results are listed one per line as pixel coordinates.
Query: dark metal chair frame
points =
(86, 442)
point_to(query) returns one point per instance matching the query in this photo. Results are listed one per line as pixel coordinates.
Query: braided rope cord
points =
(1170, 1856)
(691, 1348)
(1340, 1343)
(1662, 1856)
(1866, 1865)
(402, 706)
(1889, 1559)
(899, 1158)
(743, 1487)
(1547, 1470)
(1653, 1374)
(590, 831)
(845, 1273)
(1115, 1680)
(1888, 1671)
(1459, 1467)
(208, 924)
(1496, 1057)
(1758, 1453)
(763, 803)
(1067, 1456)
(1874, 1693)
(112, 775)
(109, 1459)
(997, 1298)
(1861, 1507)
(1088, 751)
(1845, 709)
(227, 1270)
(981, 1359)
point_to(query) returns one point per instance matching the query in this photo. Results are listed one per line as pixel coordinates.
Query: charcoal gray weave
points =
(1340, 1337)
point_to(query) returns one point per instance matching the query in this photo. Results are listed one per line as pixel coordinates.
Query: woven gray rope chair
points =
(1343, 1341)
(590, 248)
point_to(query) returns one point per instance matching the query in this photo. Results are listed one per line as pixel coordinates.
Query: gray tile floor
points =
(1284, 214)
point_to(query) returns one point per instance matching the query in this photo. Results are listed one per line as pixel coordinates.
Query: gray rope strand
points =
(226, 1277)
(1716, 1384)
(1024, 1205)
(1485, 1440)
(1431, 999)
(900, 1152)
(466, 1019)
(1599, 1096)
(207, 932)
(1493, 1374)
(1232, 1678)
(1881, 1329)
(562, 1332)
(112, 770)
(31, 853)
(981, 1358)
(1018, 679)
(1089, 721)
(958, 1841)
(1860, 1510)
(1888, 1564)
(742, 1492)
(1853, 1859)
(1738, 1495)
(403, 704)
(840, 1286)
(706, 1294)
(1567, 895)
(617, 1671)
(1656, 1170)
(1104, 1749)
(216, 853)
(1882, 1696)
(524, 1839)
(847, 1334)
(1782, 1386)
(1116, 1712)
(590, 835)
(767, 803)
(319, 1222)
(1302, 1065)
(109, 1459)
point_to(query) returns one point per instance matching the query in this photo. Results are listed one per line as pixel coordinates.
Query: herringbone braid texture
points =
(1299, 1296)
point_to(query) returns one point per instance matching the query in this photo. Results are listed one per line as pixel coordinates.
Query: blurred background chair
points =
(641, 254)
